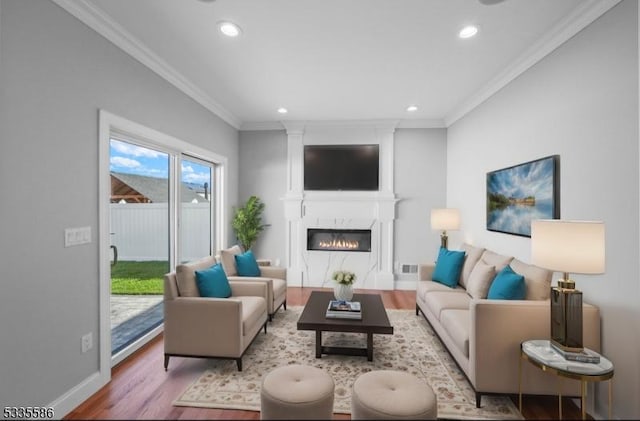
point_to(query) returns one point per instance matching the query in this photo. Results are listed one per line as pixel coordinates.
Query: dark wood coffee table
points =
(374, 320)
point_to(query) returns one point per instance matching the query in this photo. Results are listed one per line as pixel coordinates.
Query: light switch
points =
(69, 237)
(77, 236)
(85, 234)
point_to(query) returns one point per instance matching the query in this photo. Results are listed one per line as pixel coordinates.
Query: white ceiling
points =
(338, 59)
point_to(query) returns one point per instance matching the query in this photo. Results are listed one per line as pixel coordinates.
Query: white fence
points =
(140, 231)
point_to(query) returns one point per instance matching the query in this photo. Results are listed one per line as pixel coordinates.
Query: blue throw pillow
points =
(507, 285)
(246, 264)
(448, 267)
(213, 282)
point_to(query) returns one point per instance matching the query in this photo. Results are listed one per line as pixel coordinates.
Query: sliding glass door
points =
(196, 217)
(161, 204)
(139, 214)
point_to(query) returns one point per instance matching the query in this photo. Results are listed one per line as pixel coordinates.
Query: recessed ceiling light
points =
(468, 31)
(282, 110)
(230, 29)
(412, 108)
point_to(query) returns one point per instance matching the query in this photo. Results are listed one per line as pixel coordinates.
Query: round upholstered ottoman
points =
(392, 395)
(296, 392)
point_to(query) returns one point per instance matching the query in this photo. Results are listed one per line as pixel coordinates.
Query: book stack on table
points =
(584, 356)
(344, 310)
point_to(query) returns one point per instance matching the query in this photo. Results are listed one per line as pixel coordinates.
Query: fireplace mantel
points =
(355, 210)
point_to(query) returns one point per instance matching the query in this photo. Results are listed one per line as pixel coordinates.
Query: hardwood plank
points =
(141, 389)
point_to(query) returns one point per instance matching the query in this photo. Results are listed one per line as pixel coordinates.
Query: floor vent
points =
(408, 268)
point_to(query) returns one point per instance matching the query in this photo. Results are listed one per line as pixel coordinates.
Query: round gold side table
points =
(540, 353)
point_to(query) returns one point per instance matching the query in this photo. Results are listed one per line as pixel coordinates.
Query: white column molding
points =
(293, 206)
(385, 137)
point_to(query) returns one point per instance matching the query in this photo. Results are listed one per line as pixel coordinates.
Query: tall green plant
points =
(247, 222)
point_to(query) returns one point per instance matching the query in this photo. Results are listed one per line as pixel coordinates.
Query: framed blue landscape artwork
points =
(521, 193)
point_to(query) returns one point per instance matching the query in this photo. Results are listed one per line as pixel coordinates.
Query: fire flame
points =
(339, 244)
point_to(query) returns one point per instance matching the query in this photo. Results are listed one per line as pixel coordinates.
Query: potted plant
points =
(344, 280)
(247, 222)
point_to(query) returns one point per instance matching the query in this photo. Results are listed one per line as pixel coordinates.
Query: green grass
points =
(138, 278)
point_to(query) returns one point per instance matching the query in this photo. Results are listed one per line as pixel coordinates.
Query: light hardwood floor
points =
(141, 389)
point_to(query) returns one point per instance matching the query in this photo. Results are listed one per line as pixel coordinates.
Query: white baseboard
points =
(89, 386)
(78, 394)
(405, 285)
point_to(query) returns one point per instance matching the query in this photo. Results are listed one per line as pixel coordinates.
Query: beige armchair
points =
(275, 277)
(205, 327)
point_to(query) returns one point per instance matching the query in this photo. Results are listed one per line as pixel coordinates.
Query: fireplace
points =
(338, 240)
(343, 229)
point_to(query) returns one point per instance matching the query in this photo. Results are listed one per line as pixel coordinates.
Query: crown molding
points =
(394, 124)
(294, 127)
(347, 124)
(249, 126)
(581, 17)
(344, 124)
(100, 22)
(426, 123)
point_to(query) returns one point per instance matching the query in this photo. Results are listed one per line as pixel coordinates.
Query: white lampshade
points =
(568, 246)
(445, 219)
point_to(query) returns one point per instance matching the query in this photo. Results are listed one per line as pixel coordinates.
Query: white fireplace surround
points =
(340, 209)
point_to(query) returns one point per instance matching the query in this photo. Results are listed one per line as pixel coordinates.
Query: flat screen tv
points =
(341, 167)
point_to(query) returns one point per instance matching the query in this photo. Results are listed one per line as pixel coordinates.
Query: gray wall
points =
(419, 177)
(263, 160)
(580, 102)
(420, 171)
(56, 74)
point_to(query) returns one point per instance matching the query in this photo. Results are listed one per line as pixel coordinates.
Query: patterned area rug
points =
(413, 348)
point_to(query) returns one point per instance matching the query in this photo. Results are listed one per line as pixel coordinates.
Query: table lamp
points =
(567, 247)
(445, 219)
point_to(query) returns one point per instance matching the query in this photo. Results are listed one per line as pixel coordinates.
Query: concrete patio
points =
(133, 316)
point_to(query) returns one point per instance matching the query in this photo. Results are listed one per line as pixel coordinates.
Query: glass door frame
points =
(111, 125)
(213, 190)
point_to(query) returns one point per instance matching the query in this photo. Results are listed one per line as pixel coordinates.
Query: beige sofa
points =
(273, 276)
(484, 335)
(205, 327)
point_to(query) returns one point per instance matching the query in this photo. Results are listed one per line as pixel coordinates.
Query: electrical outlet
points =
(87, 342)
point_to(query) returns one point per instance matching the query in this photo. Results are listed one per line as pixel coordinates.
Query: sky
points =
(132, 159)
(531, 179)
